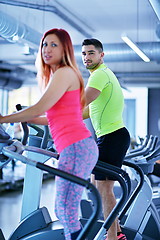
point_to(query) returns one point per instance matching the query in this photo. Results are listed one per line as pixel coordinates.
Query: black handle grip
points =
(24, 126)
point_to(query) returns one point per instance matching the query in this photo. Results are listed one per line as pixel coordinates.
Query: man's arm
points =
(91, 94)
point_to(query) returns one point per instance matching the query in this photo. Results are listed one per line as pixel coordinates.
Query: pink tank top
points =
(66, 122)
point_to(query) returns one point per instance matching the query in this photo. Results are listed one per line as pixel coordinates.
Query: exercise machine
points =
(154, 175)
(140, 219)
(38, 224)
(35, 222)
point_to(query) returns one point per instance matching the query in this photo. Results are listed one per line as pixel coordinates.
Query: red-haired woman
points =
(62, 101)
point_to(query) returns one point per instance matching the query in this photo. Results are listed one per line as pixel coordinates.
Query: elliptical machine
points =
(37, 224)
(140, 219)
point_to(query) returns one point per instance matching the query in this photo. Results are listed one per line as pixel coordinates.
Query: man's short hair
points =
(94, 42)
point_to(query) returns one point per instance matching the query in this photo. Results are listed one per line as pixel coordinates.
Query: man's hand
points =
(86, 112)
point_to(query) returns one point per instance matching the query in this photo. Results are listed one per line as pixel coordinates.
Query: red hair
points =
(44, 70)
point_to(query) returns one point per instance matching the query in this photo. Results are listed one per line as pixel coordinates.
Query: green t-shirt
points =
(107, 109)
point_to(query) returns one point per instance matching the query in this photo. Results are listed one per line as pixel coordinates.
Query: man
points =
(105, 104)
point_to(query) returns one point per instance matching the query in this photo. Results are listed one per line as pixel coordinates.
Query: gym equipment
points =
(5, 136)
(140, 146)
(37, 224)
(102, 226)
(40, 139)
(140, 219)
(144, 151)
(154, 175)
(40, 219)
(148, 145)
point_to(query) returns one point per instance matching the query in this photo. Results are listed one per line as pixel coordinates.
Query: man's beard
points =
(92, 66)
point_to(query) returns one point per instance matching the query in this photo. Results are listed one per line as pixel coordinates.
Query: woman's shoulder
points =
(67, 73)
(66, 69)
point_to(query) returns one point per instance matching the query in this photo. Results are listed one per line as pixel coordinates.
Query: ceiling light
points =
(135, 48)
(26, 49)
(15, 38)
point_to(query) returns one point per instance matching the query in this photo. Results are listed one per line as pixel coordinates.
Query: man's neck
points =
(97, 66)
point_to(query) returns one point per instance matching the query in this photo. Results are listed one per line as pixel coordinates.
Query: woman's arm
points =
(42, 120)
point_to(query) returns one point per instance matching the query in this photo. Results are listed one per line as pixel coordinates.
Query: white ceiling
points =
(103, 19)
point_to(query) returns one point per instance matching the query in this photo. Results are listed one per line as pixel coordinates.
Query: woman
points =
(62, 101)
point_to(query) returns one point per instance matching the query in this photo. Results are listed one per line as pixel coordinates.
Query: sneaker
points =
(121, 236)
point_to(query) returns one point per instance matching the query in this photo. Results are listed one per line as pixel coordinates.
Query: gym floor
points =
(10, 201)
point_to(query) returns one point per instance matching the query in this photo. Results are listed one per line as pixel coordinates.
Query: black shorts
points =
(112, 149)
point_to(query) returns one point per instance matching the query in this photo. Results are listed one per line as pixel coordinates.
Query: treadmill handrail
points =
(145, 151)
(136, 190)
(142, 146)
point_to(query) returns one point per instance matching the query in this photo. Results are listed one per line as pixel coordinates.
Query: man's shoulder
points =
(99, 71)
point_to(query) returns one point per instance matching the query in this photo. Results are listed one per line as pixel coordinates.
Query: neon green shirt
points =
(107, 109)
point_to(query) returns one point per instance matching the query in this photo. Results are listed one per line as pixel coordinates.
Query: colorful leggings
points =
(78, 159)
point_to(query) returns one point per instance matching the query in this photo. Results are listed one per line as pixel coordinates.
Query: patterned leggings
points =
(78, 159)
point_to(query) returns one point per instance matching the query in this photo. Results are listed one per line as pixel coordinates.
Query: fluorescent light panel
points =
(15, 38)
(135, 48)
